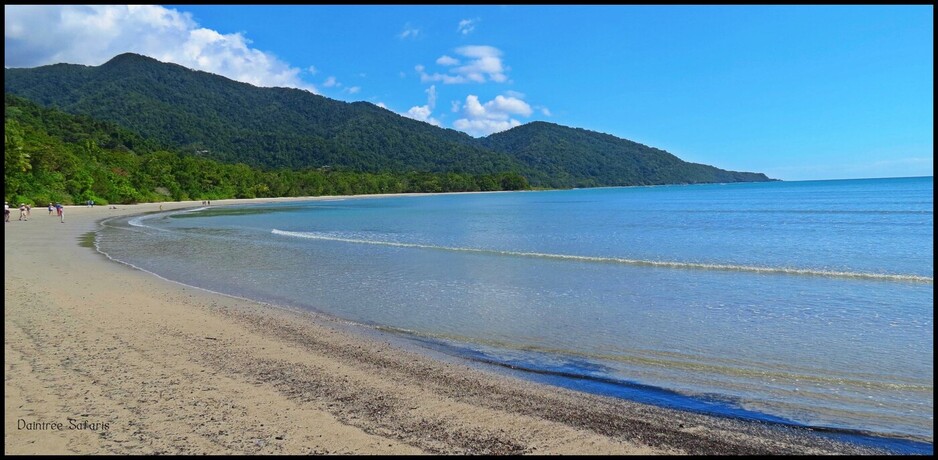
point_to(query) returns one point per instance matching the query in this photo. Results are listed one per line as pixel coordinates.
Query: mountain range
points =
(208, 115)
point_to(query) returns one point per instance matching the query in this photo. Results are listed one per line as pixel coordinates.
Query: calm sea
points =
(800, 302)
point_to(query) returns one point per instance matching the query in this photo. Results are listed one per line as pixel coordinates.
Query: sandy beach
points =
(101, 358)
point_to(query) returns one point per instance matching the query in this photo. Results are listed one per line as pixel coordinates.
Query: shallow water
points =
(804, 302)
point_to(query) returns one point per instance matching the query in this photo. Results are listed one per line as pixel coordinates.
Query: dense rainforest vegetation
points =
(202, 115)
(52, 156)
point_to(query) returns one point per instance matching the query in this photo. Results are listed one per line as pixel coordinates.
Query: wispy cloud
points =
(484, 63)
(446, 60)
(431, 96)
(92, 34)
(466, 26)
(330, 82)
(493, 116)
(409, 32)
(514, 94)
(438, 77)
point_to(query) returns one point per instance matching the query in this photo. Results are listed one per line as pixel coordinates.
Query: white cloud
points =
(446, 60)
(409, 32)
(381, 104)
(466, 26)
(312, 69)
(330, 82)
(484, 64)
(475, 110)
(479, 128)
(487, 62)
(354, 89)
(545, 111)
(454, 106)
(491, 117)
(511, 105)
(424, 112)
(93, 34)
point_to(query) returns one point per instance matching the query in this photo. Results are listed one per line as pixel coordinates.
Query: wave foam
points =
(636, 262)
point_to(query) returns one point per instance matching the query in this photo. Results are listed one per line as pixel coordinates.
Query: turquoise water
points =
(808, 302)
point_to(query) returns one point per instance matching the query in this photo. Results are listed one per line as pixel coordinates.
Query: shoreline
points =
(170, 368)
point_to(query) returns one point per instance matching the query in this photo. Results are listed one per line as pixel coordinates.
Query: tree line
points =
(53, 156)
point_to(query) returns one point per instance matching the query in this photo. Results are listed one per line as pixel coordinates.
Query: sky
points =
(798, 92)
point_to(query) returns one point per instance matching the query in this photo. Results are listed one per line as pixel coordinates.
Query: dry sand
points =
(102, 358)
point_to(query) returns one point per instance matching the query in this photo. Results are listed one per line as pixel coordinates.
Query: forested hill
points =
(573, 157)
(229, 121)
(238, 122)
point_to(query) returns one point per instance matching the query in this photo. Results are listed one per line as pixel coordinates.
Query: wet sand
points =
(101, 358)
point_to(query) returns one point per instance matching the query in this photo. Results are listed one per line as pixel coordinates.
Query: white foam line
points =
(650, 263)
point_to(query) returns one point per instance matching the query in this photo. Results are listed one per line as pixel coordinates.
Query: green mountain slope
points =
(572, 157)
(237, 122)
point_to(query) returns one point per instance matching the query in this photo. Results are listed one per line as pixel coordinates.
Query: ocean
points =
(805, 303)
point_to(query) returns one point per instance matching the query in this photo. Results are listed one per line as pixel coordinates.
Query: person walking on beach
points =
(23, 215)
(6, 211)
(51, 208)
(61, 211)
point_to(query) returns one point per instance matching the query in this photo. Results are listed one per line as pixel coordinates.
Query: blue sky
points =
(798, 92)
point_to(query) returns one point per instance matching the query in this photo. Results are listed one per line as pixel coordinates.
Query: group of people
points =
(25, 211)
